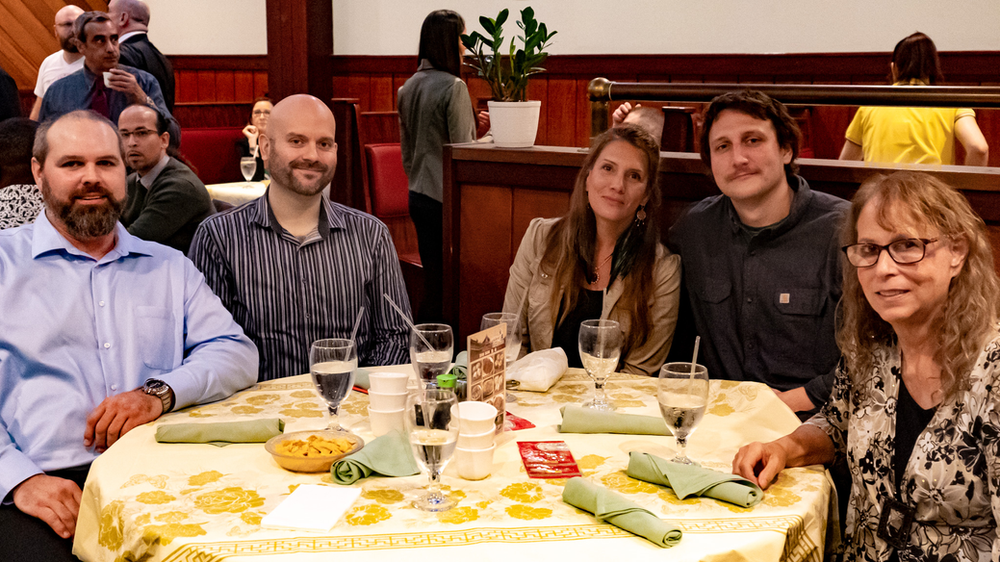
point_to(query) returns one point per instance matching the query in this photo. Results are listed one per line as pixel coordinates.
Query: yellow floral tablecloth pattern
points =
(149, 501)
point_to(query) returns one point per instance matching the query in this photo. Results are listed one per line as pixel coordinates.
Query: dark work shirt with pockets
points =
(764, 300)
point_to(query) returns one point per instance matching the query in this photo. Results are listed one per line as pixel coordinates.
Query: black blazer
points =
(137, 51)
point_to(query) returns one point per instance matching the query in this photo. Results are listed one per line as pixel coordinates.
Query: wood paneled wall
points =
(27, 37)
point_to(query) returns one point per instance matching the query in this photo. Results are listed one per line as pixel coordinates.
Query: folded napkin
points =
(220, 434)
(388, 455)
(692, 480)
(361, 378)
(461, 367)
(539, 370)
(576, 419)
(612, 508)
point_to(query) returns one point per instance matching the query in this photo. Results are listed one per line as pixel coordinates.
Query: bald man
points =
(294, 267)
(166, 200)
(132, 19)
(61, 63)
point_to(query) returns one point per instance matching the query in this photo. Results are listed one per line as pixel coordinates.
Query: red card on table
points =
(515, 423)
(548, 459)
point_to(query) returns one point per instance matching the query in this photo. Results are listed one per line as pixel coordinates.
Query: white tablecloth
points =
(236, 193)
(198, 502)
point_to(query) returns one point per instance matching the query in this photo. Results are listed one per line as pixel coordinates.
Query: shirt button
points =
(114, 387)
(749, 299)
(107, 345)
(101, 303)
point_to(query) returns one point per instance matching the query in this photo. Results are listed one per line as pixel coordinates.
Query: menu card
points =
(487, 369)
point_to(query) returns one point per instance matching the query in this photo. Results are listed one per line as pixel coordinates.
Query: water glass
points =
(512, 347)
(332, 364)
(433, 434)
(431, 347)
(248, 166)
(600, 349)
(682, 393)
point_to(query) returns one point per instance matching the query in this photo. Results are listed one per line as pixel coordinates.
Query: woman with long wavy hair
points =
(603, 259)
(916, 404)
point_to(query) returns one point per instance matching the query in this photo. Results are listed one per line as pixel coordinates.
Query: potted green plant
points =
(513, 119)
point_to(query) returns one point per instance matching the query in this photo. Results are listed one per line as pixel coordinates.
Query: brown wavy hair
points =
(569, 255)
(972, 307)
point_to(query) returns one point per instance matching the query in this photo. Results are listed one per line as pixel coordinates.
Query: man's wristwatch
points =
(161, 390)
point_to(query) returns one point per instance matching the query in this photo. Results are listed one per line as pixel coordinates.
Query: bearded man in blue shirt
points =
(101, 332)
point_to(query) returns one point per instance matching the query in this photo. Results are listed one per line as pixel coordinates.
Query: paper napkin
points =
(311, 508)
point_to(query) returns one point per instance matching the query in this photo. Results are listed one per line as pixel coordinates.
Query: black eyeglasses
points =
(138, 133)
(903, 252)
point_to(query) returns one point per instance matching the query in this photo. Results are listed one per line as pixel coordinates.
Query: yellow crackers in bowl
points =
(312, 451)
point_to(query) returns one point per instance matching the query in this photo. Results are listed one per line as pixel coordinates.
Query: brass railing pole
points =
(600, 97)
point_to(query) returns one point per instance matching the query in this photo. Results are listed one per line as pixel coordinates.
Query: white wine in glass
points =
(683, 395)
(600, 350)
(332, 364)
(248, 166)
(433, 435)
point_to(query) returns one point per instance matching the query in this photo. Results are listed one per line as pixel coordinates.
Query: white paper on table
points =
(311, 507)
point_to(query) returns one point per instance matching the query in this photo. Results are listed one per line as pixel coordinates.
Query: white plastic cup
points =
(384, 422)
(387, 383)
(478, 441)
(107, 79)
(387, 402)
(477, 417)
(474, 464)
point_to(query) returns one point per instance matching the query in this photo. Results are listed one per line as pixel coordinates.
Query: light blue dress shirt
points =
(75, 330)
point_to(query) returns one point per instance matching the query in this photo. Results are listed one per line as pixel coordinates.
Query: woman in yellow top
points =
(603, 259)
(915, 135)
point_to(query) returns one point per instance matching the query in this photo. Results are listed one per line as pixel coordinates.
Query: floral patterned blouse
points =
(952, 478)
(19, 204)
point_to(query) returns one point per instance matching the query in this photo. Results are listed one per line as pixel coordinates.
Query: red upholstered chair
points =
(212, 153)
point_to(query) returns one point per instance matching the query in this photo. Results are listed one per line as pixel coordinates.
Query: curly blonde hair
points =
(972, 307)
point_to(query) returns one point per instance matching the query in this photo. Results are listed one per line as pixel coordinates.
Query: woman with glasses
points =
(247, 146)
(916, 403)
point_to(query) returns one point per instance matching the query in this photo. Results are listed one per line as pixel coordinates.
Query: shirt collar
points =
(425, 65)
(148, 179)
(46, 239)
(801, 197)
(329, 217)
(125, 37)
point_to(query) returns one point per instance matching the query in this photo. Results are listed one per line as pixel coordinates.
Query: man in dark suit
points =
(132, 19)
(10, 101)
(166, 200)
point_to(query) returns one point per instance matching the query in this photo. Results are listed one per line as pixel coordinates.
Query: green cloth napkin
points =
(576, 419)
(361, 378)
(692, 480)
(461, 367)
(612, 508)
(388, 455)
(220, 434)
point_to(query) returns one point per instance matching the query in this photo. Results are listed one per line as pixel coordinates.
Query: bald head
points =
(129, 15)
(64, 26)
(299, 146)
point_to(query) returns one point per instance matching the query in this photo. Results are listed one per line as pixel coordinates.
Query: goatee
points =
(85, 222)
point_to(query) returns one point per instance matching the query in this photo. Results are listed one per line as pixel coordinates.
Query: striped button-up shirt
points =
(288, 293)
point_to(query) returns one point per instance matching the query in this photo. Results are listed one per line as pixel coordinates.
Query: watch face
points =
(154, 386)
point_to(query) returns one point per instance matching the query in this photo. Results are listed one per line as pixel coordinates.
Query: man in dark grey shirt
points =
(761, 261)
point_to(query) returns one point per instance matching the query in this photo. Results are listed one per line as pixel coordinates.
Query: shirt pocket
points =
(714, 291)
(800, 325)
(155, 335)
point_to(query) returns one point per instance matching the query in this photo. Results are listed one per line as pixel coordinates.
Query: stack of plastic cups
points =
(387, 398)
(474, 453)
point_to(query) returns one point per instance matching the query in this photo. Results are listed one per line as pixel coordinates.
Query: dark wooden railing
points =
(602, 91)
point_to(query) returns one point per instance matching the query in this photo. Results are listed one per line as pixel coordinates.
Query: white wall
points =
(392, 27)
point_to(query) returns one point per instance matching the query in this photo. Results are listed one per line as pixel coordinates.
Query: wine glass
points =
(332, 364)
(248, 166)
(683, 394)
(600, 348)
(433, 435)
(512, 347)
(430, 351)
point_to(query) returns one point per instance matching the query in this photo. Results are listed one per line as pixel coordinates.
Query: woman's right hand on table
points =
(760, 462)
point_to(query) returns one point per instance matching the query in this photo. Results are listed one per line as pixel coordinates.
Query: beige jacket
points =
(529, 290)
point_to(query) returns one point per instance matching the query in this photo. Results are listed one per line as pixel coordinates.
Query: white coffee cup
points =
(384, 422)
(387, 402)
(477, 417)
(478, 441)
(387, 383)
(107, 79)
(474, 464)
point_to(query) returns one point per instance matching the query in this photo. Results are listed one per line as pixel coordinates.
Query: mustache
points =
(302, 165)
(92, 190)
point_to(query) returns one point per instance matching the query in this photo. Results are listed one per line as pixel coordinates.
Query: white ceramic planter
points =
(514, 123)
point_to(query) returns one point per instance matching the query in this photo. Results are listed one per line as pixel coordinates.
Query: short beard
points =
(68, 45)
(282, 175)
(85, 223)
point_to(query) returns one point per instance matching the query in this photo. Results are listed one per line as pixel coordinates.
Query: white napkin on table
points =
(539, 370)
(312, 508)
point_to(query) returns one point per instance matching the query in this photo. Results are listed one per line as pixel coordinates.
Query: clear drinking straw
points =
(407, 320)
(694, 358)
(357, 323)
